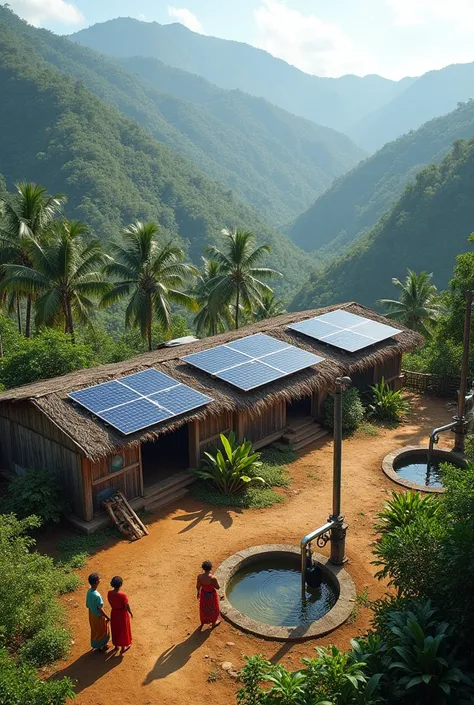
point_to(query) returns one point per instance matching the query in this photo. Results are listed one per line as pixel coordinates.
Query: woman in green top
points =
(98, 620)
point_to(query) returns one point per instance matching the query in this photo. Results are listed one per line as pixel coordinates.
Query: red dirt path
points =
(170, 661)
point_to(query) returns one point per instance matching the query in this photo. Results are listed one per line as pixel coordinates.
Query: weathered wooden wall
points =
(204, 434)
(98, 476)
(391, 371)
(265, 427)
(29, 440)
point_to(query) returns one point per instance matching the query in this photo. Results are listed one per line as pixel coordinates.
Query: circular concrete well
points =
(408, 467)
(261, 589)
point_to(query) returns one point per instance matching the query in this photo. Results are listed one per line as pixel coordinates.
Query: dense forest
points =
(277, 162)
(335, 102)
(55, 131)
(424, 230)
(357, 200)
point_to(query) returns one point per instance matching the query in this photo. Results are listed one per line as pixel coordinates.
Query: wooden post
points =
(240, 424)
(88, 506)
(194, 450)
(140, 481)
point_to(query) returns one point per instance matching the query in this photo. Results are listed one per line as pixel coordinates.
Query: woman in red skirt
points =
(207, 587)
(120, 616)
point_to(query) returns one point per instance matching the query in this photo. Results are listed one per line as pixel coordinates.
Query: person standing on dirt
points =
(98, 620)
(207, 587)
(120, 616)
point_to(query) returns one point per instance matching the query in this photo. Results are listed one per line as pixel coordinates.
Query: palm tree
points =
(416, 307)
(238, 282)
(270, 307)
(210, 320)
(27, 216)
(152, 276)
(65, 273)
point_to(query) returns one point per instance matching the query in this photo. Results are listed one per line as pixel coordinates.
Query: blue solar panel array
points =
(253, 361)
(140, 400)
(345, 330)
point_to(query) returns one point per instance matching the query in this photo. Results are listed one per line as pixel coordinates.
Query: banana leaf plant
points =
(232, 468)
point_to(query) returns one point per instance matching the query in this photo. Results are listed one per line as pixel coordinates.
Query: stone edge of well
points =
(331, 621)
(389, 461)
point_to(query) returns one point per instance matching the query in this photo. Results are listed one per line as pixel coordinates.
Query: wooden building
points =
(40, 427)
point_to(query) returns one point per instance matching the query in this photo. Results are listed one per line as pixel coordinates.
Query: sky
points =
(393, 38)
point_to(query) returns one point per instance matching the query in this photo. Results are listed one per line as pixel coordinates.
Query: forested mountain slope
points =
(424, 230)
(277, 162)
(433, 94)
(357, 200)
(333, 102)
(56, 132)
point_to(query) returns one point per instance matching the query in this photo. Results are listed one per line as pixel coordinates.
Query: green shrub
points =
(47, 646)
(38, 493)
(352, 411)
(387, 405)
(232, 468)
(20, 685)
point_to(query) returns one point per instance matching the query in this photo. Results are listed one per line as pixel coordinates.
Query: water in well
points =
(415, 469)
(270, 592)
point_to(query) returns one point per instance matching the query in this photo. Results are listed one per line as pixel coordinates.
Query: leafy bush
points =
(352, 411)
(441, 356)
(29, 586)
(404, 508)
(48, 354)
(47, 646)
(38, 493)
(20, 685)
(387, 405)
(231, 470)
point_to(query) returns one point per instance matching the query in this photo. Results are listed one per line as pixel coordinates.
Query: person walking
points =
(98, 620)
(207, 587)
(120, 616)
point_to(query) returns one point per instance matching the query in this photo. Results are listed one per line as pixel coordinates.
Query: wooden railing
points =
(437, 385)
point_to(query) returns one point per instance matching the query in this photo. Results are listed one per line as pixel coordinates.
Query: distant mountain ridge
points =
(336, 103)
(433, 94)
(58, 133)
(275, 161)
(423, 231)
(354, 203)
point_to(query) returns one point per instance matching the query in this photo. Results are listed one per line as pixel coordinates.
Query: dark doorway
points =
(298, 409)
(166, 456)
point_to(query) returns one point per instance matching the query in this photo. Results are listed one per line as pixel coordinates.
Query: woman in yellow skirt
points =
(98, 620)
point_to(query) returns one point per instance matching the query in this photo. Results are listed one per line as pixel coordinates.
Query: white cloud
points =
(418, 12)
(38, 12)
(311, 44)
(186, 17)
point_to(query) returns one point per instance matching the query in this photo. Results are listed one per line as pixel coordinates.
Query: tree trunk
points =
(237, 302)
(70, 322)
(148, 327)
(28, 317)
(18, 313)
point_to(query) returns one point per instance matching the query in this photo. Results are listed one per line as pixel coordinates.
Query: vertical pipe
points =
(460, 432)
(337, 456)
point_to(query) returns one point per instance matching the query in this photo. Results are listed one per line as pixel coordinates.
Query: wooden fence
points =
(438, 385)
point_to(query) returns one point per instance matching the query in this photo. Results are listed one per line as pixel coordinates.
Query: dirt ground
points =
(170, 661)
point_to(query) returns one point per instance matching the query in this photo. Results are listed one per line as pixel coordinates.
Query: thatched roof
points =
(95, 439)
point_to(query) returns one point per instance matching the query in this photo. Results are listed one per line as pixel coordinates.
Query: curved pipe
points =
(304, 542)
(434, 438)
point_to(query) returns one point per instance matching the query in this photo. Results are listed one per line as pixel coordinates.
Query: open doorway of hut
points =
(298, 409)
(166, 456)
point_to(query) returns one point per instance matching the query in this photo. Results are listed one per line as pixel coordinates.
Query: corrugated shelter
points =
(41, 427)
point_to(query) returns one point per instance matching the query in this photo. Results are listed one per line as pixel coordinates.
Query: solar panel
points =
(250, 362)
(140, 400)
(345, 330)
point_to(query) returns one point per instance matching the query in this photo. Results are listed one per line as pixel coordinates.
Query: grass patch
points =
(367, 428)
(76, 549)
(273, 470)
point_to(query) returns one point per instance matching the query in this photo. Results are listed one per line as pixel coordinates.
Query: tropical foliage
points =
(387, 404)
(416, 306)
(36, 492)
(352, 411)
(233, 468)
(150, 276)
(238, 282)
(211, 318)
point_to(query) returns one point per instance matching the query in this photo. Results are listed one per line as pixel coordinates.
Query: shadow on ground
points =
(89, 668)
(176, 656)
